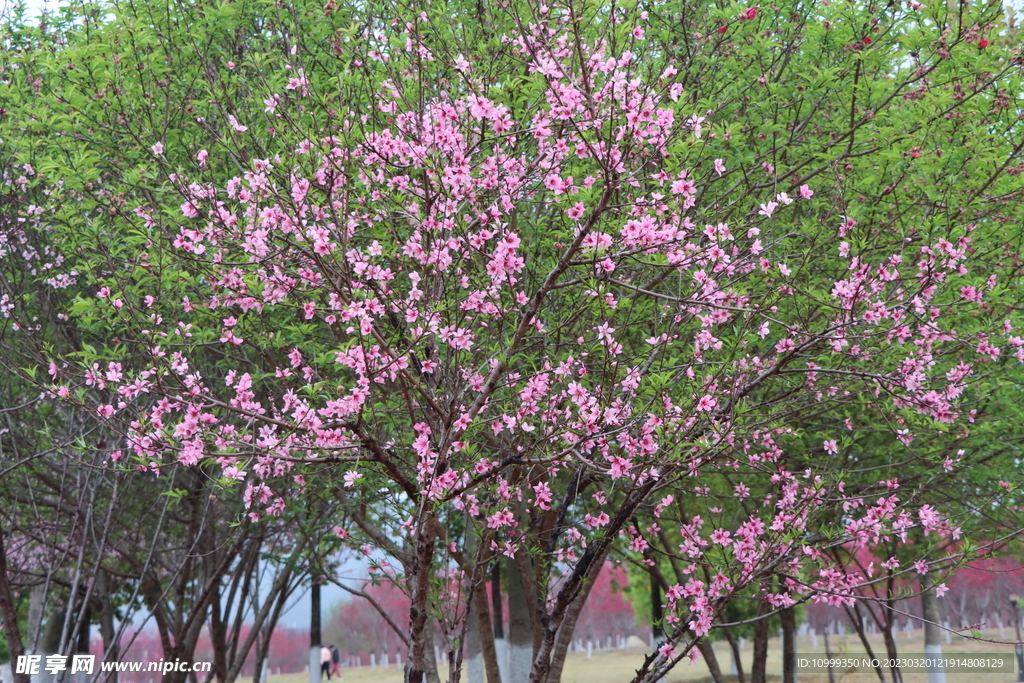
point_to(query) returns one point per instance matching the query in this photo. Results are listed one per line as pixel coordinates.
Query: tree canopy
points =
(728, 291)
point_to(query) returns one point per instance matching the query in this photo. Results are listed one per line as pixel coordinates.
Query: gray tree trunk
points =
(932, 632)
(520, 629)
(474, 651)
(35, 617)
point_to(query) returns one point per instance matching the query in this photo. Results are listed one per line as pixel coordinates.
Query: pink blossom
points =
(695, 123)
(543, 495)
(706, 402)
(232, 472)
(299, 82)
(500, 519)
(785, 345)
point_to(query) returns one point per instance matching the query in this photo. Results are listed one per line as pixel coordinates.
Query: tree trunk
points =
(106, 617)
(50, 643)
(218, 640)
(533, 590)
(421, 639)
(858, 625)
(9, 612)
(84, 630)
(932, 633)
(263, 645)
(759, 667)
(565, 632)
(734, 646)
(474, 650)
(707, 651)
(828, 656)
(887, 625)
(788, 645)
(267, 617)
(520, 628)
(430, 673)
(486, 636)
(35, 616)
(500, 644)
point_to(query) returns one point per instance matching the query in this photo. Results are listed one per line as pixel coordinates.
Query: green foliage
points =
(893, 115)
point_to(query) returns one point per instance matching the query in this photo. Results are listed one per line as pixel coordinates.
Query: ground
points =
(617, 666)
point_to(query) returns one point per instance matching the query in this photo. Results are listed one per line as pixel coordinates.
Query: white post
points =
(590, 650)
(501, 651)
(314, 664)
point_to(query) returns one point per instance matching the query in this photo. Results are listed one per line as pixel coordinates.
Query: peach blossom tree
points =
(502, 314)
